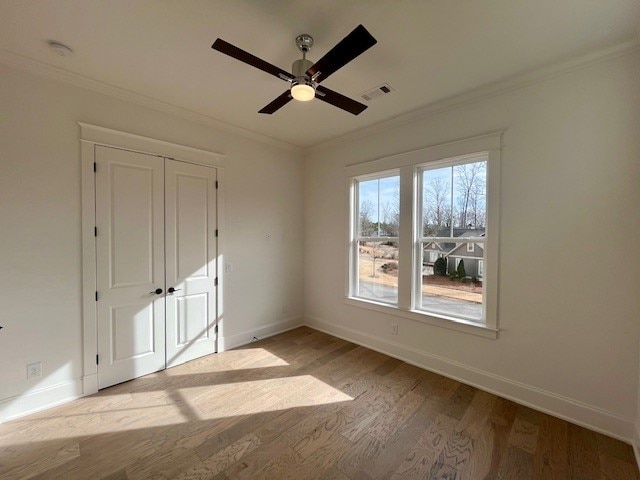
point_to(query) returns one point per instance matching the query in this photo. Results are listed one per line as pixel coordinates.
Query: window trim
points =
(408, 164)
(353, 281)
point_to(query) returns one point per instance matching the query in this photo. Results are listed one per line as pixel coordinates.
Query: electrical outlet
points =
(34, 370)
(285, 308)
(394, 328)
(228, 268)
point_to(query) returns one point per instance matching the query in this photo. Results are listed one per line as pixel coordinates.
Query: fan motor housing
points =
(299, 67)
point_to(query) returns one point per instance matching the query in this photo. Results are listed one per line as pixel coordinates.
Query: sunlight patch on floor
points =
(261, 396)
(128, 413)
(232, 360)
(102, 414)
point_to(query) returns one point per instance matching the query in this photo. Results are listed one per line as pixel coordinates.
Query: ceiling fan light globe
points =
(302, 92)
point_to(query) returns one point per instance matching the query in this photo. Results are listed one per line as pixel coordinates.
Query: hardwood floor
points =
(303, 405)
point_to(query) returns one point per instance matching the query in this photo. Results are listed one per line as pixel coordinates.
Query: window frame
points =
(409, 165)
(352, 277)
(460, 241)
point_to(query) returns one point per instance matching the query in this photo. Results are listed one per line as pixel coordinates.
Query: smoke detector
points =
(60, 48)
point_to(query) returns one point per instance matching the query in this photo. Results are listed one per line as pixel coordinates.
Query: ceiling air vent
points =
(377, 92)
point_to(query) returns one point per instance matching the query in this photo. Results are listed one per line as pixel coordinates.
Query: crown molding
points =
(486, 91)
(59, 74)
(481, 93)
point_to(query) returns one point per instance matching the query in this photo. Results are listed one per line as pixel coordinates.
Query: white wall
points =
(40, 245)
(569, 264)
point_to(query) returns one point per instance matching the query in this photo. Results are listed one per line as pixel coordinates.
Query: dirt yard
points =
(432, 285)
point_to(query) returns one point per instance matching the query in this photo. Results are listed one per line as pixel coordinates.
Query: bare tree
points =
(437, 205)
(470, 180)
(367, 226)
(391, 213)
(478, 207)
(376, 252)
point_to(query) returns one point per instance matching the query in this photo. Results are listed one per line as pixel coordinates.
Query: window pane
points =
(436, 202)
(470, 195)
(452, 284)
(454, 199)
(379, 207)
(378, 271)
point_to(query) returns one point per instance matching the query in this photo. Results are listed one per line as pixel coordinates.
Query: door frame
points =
(90, 136)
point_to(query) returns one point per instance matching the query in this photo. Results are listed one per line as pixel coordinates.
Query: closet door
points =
(130, 264)
(191, 250)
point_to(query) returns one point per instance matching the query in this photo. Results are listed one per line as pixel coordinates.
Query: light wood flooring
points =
(303, 405)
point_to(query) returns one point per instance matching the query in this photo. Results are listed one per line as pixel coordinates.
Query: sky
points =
(387, 189)
(384, 190)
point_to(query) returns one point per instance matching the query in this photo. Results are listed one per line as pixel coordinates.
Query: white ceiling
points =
(428, 50)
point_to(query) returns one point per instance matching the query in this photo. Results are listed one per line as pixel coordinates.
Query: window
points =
(453, 201)
(423, 228)
(378, 220)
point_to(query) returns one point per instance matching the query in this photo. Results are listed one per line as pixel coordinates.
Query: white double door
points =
(156, 263)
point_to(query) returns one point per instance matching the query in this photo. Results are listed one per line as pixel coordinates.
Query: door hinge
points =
(95, 231)
(215, 282)
(215, 330)
(96, 296)
(97, 359)
(216, 232)
(216, 183)
(95, 167)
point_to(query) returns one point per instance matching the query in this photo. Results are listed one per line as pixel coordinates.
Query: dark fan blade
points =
(246, 57)
(278, 103)
(346, 50)
(339, 100)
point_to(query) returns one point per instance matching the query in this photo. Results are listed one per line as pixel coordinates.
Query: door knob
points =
(157, 291)
(171, 289)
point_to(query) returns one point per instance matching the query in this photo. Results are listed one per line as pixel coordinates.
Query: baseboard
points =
(636, 443)
(41, 399)
(569, 409)
(235, 341)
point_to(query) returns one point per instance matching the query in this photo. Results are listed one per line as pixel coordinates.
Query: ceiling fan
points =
(306, 76)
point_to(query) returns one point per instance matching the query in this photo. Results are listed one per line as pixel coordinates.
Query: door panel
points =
(192, 317)
(131, 225)
(190, 224)
(132, 330)
(191, 218)
(130, 264)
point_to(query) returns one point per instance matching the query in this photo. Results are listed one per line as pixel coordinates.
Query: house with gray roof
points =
(471, 252)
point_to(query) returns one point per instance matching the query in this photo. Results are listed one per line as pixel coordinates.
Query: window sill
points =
(428, 318)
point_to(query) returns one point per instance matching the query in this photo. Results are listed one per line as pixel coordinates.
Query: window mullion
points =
(405, 245)
(353, 229)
